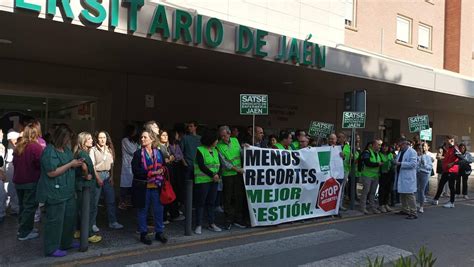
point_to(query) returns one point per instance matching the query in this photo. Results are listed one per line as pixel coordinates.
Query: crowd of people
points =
(54, 170)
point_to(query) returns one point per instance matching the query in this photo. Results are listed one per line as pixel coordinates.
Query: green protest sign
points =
(353, 120)
(426, 135)
(251, 104)
(418, 123)
(320, 129)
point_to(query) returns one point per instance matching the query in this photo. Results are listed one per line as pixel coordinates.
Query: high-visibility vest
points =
(295, 145)
(230, 152)
(280, 146)
(387, 162)
(372, 172)
(211, 162)
(346, 150)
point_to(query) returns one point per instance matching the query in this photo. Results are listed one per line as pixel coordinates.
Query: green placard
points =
(320, 129)
(426, 135)
(353, 120)
(251, 104)
(418, 123)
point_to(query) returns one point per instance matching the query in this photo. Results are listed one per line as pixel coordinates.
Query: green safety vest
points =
(357, 158)
(372, 172)
(280, 146)
(231, 153)
(346, 150)
(295, 145)
(211, 162)
(387, 162)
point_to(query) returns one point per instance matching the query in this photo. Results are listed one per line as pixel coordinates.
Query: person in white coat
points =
(405, 178)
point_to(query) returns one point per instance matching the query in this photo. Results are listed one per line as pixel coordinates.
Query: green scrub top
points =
(57, 189)
(80, 181)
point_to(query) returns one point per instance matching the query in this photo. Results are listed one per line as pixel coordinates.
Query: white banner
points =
(284, 186)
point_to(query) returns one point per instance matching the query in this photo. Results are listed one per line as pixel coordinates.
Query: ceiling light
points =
(182, 67)
(6, 41)
(287, 82)
(29, 110)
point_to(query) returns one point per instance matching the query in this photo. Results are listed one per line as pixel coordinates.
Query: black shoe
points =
(402, 212)
(411, 217)
(161, 237)
(145, 239)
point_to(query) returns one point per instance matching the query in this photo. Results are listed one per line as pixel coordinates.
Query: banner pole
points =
(353, 186)
(253, 130)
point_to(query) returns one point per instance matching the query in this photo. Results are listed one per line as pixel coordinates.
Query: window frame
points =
(410, 31)
(430, 37)
(353, 24)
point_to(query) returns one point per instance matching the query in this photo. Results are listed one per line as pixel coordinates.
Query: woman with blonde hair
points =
(85, 177)
(26, 162)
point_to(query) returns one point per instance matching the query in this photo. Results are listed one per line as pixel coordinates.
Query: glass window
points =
(424, 36)
(403, 29)
(350, 12)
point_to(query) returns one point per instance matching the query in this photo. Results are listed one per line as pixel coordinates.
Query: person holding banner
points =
(303, 141)
(207, 173)
(295, 145)
(234, 190)
(259, 137)
(405, 175)
(370, 176)
(284, 141)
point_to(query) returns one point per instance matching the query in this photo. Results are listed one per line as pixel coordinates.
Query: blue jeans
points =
(205, 196)
(152, 199)
(421, 183)
(109, 195)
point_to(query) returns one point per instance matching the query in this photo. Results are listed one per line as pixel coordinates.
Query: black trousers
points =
(449, 178)
(461, 179)
(385, 187)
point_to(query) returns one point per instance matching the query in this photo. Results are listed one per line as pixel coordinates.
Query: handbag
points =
(167, 195)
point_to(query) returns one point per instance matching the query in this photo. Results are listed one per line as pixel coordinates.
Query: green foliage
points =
(422, 259)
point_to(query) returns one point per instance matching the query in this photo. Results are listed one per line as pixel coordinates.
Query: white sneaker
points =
(115, 225)
(95, 229)
(31, 235)
(166, 222)
(449, 205)
(466, 197)
(213, 227)
(220, 209)
(198, 230)
(420, 210)
(434, 202)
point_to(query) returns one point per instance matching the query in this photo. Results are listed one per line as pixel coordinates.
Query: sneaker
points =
(411, 217)
(213, 227)
(402, 212)
(220, 209)
(383, 209)
(448, 205)
(161, 237)
(31, 235)
(241, 226)
(466, 197)
(388, 208)
(95, 239)
(179, 218)
(434, 202)
(77, 234)
(365, 211)
(420, 210)
(198, 230)
(166, 222)
(375, 211)
(227, 226)
(343, 208)
(58, 253)
(95, 229)
(115, 225)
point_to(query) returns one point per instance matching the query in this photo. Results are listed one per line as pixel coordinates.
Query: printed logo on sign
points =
(253, 104)
(328, 195)
(324, 159)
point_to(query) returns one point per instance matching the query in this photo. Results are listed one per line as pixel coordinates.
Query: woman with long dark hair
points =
(129, 146)
(56, 188)
(102, 156)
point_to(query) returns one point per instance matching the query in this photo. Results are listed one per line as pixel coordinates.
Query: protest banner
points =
(284, 186)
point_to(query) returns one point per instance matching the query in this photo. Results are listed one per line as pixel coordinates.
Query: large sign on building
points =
(155, 21)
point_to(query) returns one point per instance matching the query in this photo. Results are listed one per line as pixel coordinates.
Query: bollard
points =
(189, 208)
(85, 218)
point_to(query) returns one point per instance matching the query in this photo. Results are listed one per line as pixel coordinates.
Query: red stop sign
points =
(328, 195)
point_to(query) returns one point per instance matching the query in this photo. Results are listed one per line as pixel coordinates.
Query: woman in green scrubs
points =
(56, 188)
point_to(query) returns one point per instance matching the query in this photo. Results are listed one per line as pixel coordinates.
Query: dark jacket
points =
(140, 177)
